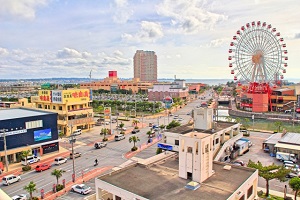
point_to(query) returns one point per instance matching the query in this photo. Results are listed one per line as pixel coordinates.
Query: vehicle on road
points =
(77, 132)
(179, 119)
(134, 131)
(9, 179)
(242, 146)
(20, 197)
(119, 137)
(30, 159)
(175, 117)
(81, 188)
(60, 160)
(250, 144)
(76, 155)
(42, 167)
(99, 145)
(286, 156)
(293, 174)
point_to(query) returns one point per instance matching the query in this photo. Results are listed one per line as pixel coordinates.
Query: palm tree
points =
(57, 173)
(122, 125)
(30, 188)
(149, 133)
(135, 122)
(104, 132)
(134, 139)
(61, 135)
(25, 154)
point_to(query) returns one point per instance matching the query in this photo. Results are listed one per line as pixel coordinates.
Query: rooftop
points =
(290, 138)
(189, 128)
(161, 181)
(16, 113)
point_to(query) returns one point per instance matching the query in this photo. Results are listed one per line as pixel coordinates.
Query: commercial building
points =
(189, 174)
(113, 83)
(145, 65)
(177, 89)
(27, 129)
(72, 106)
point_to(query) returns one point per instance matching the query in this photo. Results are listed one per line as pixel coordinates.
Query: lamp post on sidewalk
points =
(5, 148)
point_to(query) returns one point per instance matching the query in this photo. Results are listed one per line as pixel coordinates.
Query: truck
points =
(286, 156)
(242, 146)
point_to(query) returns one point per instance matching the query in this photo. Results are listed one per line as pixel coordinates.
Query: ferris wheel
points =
(257, 54)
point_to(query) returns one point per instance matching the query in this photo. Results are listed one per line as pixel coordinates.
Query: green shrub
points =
(158, 150)
(105, 139)
(59, 187)
(35, 198)
(122, 132)
(134, 148)
(26, 168)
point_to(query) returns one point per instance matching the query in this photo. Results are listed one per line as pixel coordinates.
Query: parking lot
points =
(256, 153)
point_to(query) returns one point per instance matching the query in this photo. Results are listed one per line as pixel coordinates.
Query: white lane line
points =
(15, 191)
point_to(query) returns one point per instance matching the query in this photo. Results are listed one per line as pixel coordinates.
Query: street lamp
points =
(5, 148)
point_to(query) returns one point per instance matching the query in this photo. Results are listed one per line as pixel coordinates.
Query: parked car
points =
(30, 159)
(76, 155)
(20, 197)
(99, 145)
(81, 188)
(179, 119)
(238, 162)
(60, 160)
(9, 179)
(134, 131)
(293, 174)
(42, 167)
(77, 132)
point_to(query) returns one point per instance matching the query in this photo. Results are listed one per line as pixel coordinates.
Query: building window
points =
(206, 148)
(196, 146)
(49, 107)
(39, 105)
(242, 197)
(217, 141)
(177, 142)
(34, 124)
(45, 106)
(60, 108)
(190, 150)
(81, 106)
(250, 192)
(53, 107)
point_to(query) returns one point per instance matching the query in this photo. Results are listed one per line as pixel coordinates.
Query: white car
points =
(81, 188)
(20, 197)
(60, 160)
(9, 179)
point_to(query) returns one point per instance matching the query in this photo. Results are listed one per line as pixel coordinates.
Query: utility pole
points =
(72, 140)
(5, 149)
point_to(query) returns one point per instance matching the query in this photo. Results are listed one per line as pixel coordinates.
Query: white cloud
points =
(219, 42)
(20, 8)
(122, 11)
(149, 32)
(190, 16)
(3, 52)
(70, 53)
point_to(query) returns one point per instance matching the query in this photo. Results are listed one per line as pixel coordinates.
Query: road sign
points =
(168, 102)
(107, 110)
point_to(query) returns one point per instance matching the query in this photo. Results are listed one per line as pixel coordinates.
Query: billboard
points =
(65, 96)
(168, 102)
(40, 135)
(56, 96)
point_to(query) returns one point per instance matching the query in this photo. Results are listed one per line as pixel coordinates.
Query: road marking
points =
(11, 194)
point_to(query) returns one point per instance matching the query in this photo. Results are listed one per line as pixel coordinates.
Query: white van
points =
(9, 179)
(30, 159)
(77, 132)
(60, 160)
(119, 137)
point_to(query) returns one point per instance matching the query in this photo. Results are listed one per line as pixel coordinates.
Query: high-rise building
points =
(145, 65)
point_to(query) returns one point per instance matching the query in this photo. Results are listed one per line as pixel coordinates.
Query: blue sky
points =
(53, 38)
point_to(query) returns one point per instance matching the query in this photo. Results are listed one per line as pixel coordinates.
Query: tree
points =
(269, 172)
(135, 122)
(295, 185)
(173, 124)
(149, 133)
(122, 125)
(278, 124)
(61, 135)
(104, 132)
(25, 154)
(229, 119)
(30, 188)
(134, 139)
(57, 173)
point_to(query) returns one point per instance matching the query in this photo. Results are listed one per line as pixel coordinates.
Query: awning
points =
(288, 146)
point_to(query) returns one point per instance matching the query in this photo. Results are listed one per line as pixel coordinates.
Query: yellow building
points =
(73, 107)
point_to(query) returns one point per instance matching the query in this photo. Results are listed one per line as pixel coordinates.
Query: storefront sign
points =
(165, 146)
(107, 110)
(57, 96)
(48, 148)
(64, 96)
(14, 132)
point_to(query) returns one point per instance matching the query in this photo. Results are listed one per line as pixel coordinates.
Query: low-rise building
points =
(72, 106)
(27, 129)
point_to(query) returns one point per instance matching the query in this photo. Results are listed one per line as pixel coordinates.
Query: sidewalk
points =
(276, 193)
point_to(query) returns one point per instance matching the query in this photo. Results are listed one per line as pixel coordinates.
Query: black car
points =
(134, 131)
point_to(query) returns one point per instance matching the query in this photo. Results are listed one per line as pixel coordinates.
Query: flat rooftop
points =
(161, 181)
(290, 138)
(187, 128)
(15, 113)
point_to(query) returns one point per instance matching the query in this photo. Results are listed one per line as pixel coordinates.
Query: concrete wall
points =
(228, 143)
